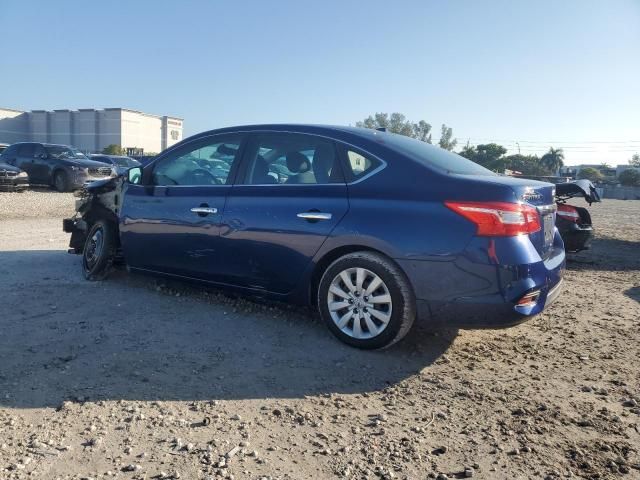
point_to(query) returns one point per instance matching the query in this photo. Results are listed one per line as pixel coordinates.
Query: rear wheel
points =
(60, 181)
(366, 300)
(99, 250)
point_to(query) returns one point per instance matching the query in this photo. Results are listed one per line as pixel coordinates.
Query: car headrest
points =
(297, 162)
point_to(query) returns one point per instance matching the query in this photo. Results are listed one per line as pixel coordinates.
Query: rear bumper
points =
(577, 238)
(475, 291)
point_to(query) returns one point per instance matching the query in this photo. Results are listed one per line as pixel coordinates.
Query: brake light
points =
(568, 213)
(499, 219)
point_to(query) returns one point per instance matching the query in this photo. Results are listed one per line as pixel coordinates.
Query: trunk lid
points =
(538, 194)
(577, 188)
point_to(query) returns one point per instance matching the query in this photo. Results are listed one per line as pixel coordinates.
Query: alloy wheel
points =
(359, 303)
(94, 248)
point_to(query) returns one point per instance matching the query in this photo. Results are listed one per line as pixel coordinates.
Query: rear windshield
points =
(435, 157)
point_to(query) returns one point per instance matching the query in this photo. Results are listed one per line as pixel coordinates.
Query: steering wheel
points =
(201, 172)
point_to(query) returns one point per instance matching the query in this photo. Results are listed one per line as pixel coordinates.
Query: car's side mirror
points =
(134, 175)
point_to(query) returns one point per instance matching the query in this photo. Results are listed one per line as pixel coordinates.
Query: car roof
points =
(40, 143)
(329, 130)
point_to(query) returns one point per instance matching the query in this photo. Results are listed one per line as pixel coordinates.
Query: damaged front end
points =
(99, 199)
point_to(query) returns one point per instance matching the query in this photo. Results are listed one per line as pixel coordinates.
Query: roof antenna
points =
(381, 129)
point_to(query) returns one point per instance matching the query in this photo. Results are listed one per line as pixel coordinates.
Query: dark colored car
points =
(60, 166)
(373, 228)
(119, 162)
(12, 179)
(574, 223)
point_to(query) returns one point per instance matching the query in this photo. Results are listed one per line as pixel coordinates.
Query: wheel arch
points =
(98, 212)
(331, 256)
(57, 169)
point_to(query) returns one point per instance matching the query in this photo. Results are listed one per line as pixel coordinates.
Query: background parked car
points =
(120, 163)
(12, 179)
(574, 223)
(60, 166)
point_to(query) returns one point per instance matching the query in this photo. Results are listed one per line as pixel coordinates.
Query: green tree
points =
(526, 164)
(398, 123)
(422, 131)
(630, 178)
(446, 138)
(635, 160)
(553, 160)
(113, 149)
(490, 155)
(590, 173)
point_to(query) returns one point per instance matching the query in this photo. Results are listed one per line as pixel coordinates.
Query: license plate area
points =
(548, 229)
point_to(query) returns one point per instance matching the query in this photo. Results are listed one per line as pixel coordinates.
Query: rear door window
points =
(291, 159)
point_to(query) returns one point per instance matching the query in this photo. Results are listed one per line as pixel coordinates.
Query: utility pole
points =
(518, 144)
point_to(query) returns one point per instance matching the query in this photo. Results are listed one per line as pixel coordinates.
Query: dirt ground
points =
(134, 378)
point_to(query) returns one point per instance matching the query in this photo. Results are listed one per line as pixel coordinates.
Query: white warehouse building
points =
(90, 130)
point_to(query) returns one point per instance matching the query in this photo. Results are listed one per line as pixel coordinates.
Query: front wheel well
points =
(327, 260)
(100, 213)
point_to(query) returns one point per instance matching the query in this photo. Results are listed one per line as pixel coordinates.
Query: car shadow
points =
(136, 338)
(607, 254)
(633, 293)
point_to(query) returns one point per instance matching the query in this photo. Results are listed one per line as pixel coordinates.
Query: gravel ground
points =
(135, 378)
(36, 203)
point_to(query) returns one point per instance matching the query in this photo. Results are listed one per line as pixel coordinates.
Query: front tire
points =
(366, 300)
(99, 250)
(60, 181)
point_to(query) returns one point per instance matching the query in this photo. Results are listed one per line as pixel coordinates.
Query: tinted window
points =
(25, 150)
(204, 163)
(434, 156)
(291, 159)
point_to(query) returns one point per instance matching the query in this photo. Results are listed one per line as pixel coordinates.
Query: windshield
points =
(435, 157)
(124, 162)
(60, 151)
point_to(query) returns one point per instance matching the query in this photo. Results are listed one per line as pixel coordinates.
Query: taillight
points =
(499, 219)
(529, 299)
(568, 213)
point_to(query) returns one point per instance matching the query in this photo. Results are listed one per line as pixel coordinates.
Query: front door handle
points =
(204, 211)
(315, 216)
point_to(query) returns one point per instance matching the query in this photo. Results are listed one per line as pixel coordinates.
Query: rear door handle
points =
(204, 211)
(315, 216)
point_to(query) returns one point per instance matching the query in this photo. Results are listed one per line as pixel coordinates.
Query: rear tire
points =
(99, 250)
(366, 300)
(60, 181)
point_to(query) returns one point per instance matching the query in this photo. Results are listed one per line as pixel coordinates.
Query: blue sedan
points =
(374, 229)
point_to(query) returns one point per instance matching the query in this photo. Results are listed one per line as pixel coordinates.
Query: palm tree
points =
(553, 160)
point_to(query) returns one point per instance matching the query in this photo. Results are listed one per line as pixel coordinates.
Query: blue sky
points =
(562, 73)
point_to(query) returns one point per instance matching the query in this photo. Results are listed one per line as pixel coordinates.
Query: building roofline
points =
(13, 110)
(94, 110)
(142, 113)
